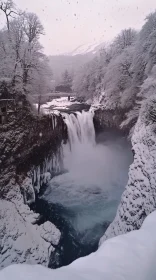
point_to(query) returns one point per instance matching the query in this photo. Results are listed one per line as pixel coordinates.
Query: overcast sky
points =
(70, 23)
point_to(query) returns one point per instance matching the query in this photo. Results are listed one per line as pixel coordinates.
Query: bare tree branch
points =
(8, 7)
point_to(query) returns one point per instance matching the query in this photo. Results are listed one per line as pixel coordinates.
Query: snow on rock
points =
(50, 233)
(139, 197)
(57, 104)
(28, 191)
(126, 257)
(21, 240)
(97, 102)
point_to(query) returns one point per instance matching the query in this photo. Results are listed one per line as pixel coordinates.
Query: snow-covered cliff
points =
(21, 239)
(139, 197)
(130, 256)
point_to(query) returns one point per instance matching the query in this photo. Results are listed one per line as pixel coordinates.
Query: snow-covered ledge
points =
(139, 197)
(129, 256)
(21, 240)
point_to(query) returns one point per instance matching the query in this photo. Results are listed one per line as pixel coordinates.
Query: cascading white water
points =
(80, 128)
(79, 153)
(96, 175)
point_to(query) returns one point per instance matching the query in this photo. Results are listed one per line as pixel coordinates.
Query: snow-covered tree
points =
(9, 9)
(87, 81)
(110, 72)
(125, 39)
(148, 87)
(32, 52)
(20, 50)
(17, 44)
(145, 51)
(117, 81)
(66, 78)
(40, 83)
(6, 55)
(22, 60)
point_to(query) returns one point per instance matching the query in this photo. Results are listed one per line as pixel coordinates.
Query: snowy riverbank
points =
(127, 257)
(62, 104)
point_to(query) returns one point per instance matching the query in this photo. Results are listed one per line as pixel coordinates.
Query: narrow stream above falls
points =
(83, 200)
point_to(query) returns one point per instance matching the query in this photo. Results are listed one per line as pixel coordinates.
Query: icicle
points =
(52, 120)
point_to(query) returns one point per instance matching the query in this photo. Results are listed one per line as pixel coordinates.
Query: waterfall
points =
(84, 197)
(81, 139)
(80, 128)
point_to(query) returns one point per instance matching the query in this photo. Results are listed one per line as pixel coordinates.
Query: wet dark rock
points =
(109, 119)
(26, 140)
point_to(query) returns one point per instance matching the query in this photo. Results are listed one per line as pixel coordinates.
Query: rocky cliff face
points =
(21, 239)
(109, 118)
(30, 149)
(139, 197)
(25, 141)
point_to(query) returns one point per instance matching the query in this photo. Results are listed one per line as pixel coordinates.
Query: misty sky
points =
(70, 23)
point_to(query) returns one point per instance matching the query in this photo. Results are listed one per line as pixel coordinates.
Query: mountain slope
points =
(87, 49)
(73, 60)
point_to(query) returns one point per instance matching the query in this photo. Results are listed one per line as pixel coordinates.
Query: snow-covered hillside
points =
(73, 60)
(87, 48)
(130, 256)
